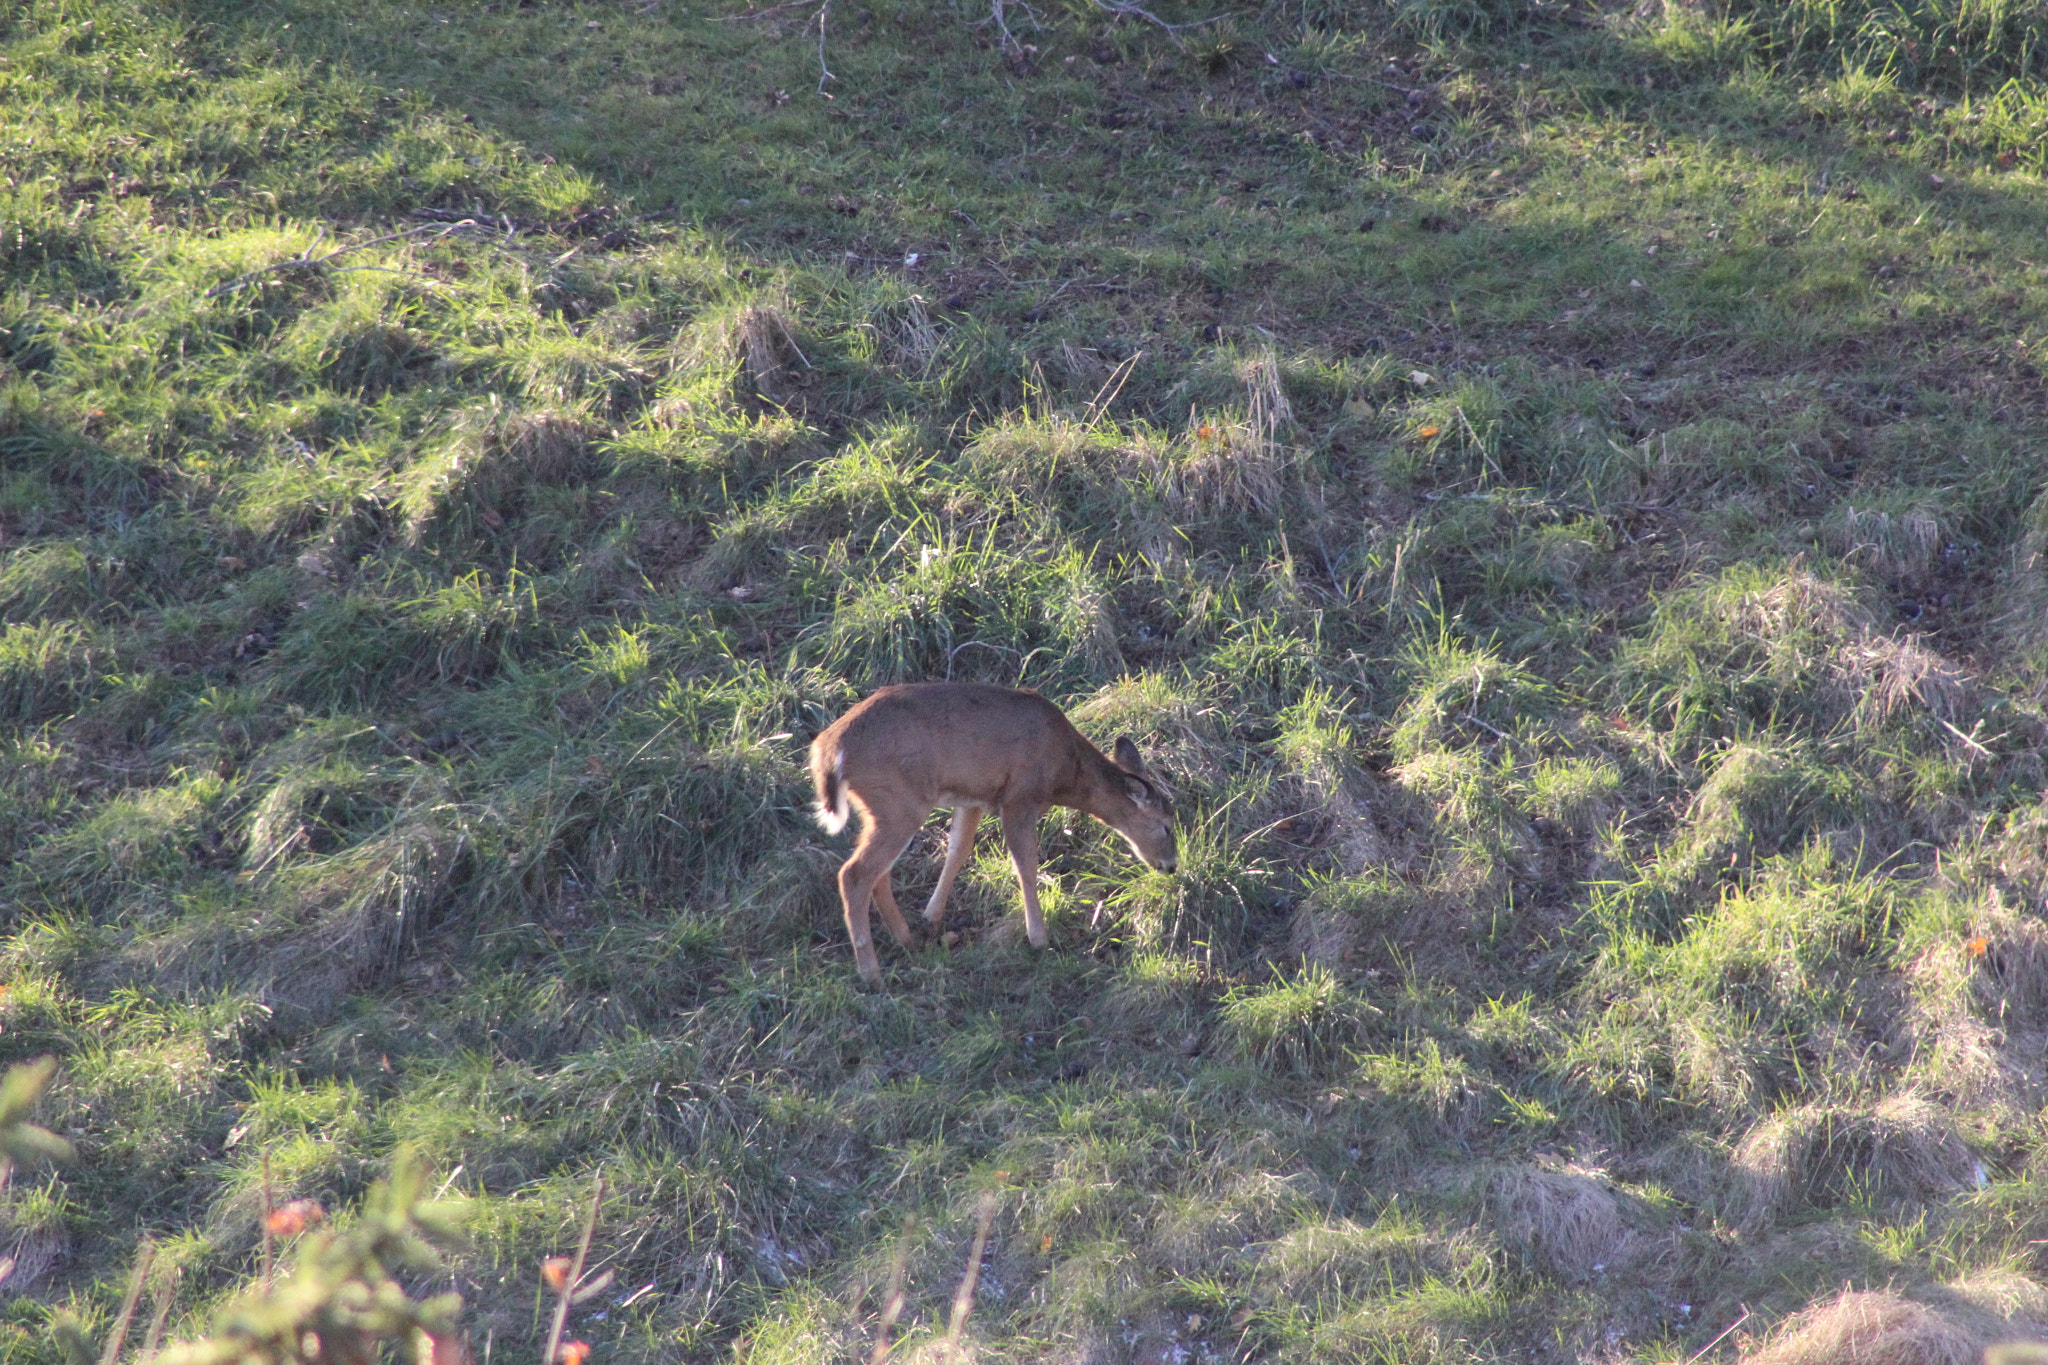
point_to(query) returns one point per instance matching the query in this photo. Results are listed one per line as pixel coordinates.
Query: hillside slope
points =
(1555, 490)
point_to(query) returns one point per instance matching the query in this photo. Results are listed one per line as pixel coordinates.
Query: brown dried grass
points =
(1804, 621)
(1904, 1146)
(1869, 1329)
(1568, 1221)
(1945, 1325)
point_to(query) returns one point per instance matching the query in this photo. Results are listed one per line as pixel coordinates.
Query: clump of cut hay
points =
(1223, 465)
(1902, 543)
(2000, 955)
(1266, 404)
(1904, 1147)
(2017, 1303)
(1803, 622)
(1178, 729)
(1083, 364)
(1221, 1220)
(1657, 467)
(1790, 630)
(766, 346)
(1942, 1325)
(1869, 1329)
(1326, 938)
(46, 669)
(1344, 806)
(49, 582)
(1894, 673)
(364, 904)
(34, 1234)
(910, 341)
(1565, 1221)
(1363, 916)
(1980, 995)
(1378, 824)
(1218, 466)
(1578, 795)
(2024, 600)
(479, 478)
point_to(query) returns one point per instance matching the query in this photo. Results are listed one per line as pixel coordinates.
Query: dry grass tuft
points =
(1903, 1147)
(1869, 1329)
(910, 340)
(1902, 544)
(765, 345)
(1794, 626)
(1979, 1019)
(1567, 1221)
(1891, 674)
(1952, 1327)
(1222, 465)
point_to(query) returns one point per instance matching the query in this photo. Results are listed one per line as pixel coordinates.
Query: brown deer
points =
(908, 750)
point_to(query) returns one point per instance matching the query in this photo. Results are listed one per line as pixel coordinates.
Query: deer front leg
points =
(1020, 833)
(959, 843)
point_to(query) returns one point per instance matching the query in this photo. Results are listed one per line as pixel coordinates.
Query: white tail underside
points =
(834, 817)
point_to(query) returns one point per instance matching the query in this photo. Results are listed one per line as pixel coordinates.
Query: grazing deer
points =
(906, 751)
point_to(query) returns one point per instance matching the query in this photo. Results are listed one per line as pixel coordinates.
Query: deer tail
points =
(830, 777)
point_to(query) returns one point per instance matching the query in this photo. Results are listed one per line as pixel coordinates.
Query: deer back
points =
(948, 743)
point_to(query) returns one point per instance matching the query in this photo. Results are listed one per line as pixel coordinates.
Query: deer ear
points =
(1127, 756)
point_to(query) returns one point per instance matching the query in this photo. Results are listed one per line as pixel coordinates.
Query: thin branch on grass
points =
(824, 12)
(963, 1297)
(116, 1339)
(892, 1306)
(166, 1296)
(573, 1282)
(307, 261)
(824, 72)
(1717, 1340)
(998, 15)
(1111, 387)
(269, 1248)
(1495, 731)
(761, 13)
(1128, 9)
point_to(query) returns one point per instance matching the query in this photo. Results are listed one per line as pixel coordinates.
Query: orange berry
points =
(574, 1352)
(294, 1218)
(1430, 433)
(1205, 432)
(555, 1270)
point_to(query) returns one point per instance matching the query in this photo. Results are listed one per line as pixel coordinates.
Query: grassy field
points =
(1556, 489)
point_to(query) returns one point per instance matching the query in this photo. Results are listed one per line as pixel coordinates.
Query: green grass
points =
(1555, 489)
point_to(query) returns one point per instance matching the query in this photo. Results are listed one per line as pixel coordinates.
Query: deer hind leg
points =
(1020, 833)
(882, 841)
(959, 843)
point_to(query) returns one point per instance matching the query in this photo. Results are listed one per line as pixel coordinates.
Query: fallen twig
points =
(892, 1307)
(963, 1297)
(308, 261)
(1130, 8)
(1717, 1340)
(573, 1281)
(998, 15)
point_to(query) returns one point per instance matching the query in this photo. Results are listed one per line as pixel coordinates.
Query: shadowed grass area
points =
(1555, 490)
